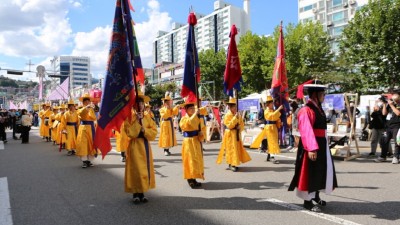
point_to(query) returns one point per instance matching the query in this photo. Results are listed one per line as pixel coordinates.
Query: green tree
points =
(157, 92)
(371, 43)
(212, 69)
(308, 53)
(250, 49)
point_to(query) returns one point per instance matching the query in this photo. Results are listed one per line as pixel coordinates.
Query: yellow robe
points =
(270, 132)
(139, 168)
(84, 140)
(72, 130)
(232, 148)
(192, 153)
(46, 117)
(41, 127)
(167, 133)
(122, 140)
(150, 113)
(60, 136)
(52, 121)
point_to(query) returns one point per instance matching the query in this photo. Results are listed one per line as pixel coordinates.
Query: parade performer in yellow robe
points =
(69, 126)
(192, 152)
(270, 131)
(122, 142)
(46, 125)
(61, 138)
(167, 133)
(232, 146)
(86, 132)
(41, 116)
(139, 168)
(53, 124)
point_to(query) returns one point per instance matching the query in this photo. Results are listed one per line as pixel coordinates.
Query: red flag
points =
(233, 72)
(279, 77)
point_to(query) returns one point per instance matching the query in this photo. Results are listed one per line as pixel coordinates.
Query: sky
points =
(38, 30)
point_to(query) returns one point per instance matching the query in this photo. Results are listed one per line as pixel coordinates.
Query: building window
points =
(336, 2)
(79, 64)
(80, 69)
(337, 16)
(308, 7)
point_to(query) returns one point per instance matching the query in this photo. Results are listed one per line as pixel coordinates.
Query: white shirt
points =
(26, 120)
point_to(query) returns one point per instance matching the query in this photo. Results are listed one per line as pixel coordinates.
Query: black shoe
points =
(143, 198)
(268, 157)
(371, 154)
(310, 206)
(234, 168)
(136, 199)
(73, 152)
(390, 155)
(89, 164)
(69, 153)
(319, 201)
(84, 165)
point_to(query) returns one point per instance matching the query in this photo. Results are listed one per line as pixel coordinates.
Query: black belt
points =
(190, 133)
(269, 122)
(168, 119)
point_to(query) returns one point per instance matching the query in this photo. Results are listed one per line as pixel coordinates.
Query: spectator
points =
(26, 122)
(3, 123)
(393, 108)
(367, 117)
(377, 125)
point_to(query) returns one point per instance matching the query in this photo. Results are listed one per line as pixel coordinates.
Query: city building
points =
(211, 32)
(334, 15)
(77, 68)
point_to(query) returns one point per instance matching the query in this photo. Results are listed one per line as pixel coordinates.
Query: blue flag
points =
(118, 92)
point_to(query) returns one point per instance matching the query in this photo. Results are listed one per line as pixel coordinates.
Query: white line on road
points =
(5, 208)
(301, 209)
(1, 145)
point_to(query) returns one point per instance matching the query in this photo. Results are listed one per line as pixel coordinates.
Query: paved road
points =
(47, 187)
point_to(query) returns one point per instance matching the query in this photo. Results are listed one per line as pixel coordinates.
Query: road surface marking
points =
(5, 208)
(301, 209)
(282, 156)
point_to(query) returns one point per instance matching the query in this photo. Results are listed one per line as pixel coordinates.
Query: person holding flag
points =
(167, 132)
(140, 128)
(192, 152)
(270, 131)
(279, 86)
(232, 145)
(86, 132)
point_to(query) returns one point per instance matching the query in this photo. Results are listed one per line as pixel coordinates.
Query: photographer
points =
(392, 108)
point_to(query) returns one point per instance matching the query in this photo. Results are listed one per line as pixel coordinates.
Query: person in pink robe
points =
(315, 171)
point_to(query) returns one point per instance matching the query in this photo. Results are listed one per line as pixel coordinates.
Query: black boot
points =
(123, 157)
(143, 198)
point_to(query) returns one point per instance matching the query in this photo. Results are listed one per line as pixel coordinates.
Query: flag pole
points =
(129, 30)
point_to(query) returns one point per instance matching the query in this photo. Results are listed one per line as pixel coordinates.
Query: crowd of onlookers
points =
(19, 121)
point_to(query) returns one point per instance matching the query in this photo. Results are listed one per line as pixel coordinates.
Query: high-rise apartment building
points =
(334, 15)
(77, 68)
(211, 32)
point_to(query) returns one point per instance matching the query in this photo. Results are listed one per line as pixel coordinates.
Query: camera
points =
(383, 99)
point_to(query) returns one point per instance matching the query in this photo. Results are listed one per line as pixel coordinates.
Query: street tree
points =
(212, 69)
(371, 43)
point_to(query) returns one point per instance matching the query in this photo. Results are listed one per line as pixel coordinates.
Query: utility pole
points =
(30, 64)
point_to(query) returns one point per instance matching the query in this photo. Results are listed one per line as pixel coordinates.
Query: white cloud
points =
(96, 43)
(34, 28)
